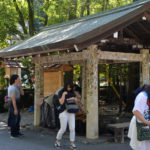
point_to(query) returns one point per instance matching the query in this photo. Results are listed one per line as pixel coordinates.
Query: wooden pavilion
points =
(12, 67)
(90, 41)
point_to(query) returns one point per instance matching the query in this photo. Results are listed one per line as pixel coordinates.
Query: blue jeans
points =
(14, 120)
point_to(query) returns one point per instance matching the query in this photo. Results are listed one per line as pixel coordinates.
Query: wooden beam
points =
(120, 41)
(84, 85)
(111, 62)
(65, 63)
(147, 15)
(143, 27)
(79, 57)
(61, 59)
(131, 33)
(118, 56)
(39, 92)
(144, 78)
(92, 117)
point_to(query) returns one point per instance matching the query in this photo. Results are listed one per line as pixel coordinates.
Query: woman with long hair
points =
(65, 117)
(141, 112)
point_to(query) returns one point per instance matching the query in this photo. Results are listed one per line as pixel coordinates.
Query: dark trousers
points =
(14, 120)
(9, 118)
(56, 112)
(57, 122)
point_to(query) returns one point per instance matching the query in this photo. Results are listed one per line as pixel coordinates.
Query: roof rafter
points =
(132, 34)
(143, 27)
(147, 15)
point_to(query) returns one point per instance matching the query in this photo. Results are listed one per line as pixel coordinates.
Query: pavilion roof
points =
(81, 32)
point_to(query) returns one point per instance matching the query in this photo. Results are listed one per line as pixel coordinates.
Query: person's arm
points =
(62, 99)
(71, 98)
(14, 104)
(74, 98)
(140, 117)
(21, 89)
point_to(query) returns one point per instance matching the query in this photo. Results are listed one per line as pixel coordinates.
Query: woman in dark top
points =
(64, 95)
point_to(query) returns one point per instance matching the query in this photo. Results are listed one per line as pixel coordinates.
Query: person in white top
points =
(142, 113)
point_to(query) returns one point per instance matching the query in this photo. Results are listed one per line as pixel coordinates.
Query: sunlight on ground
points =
(3, 125)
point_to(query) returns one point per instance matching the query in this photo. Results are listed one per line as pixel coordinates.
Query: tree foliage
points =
(20, 19)
(2, 74)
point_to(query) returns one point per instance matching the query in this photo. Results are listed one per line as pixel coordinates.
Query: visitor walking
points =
(56, 111)
(141, 113)
(65, 117)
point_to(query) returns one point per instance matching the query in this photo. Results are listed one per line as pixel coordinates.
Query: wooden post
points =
(38, 92)
(84, 84)
(144, 77)
(92, 128)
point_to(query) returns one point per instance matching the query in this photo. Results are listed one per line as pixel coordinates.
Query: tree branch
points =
(31, 17)
(21, 17)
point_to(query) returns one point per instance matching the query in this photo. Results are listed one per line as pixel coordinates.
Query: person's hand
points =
(65, 93)
(20, 83)
(147, 123)
(72, 98)
(15, 112)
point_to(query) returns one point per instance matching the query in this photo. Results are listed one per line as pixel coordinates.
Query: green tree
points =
(20, 19)
(2, 74)
(27, 72)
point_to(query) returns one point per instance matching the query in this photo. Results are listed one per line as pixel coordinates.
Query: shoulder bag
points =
(71, 106)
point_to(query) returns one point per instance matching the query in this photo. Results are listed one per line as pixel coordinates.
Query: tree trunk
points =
(88, 7)
(103, 5)
(85, 6)
(46, 16)
(31, 17)
(82, 8)
(73, 10)
(107, 5)
(21, 18)
(46, 20)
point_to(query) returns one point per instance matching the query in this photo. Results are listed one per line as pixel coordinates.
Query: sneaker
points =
(20, 134)
(73, 146)
(14, 136)
(57, 144)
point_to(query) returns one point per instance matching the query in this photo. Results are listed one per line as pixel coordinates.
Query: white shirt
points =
(143, 108)
(141, 105)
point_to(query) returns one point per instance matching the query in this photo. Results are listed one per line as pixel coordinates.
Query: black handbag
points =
(143, 131)
(71, 106)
